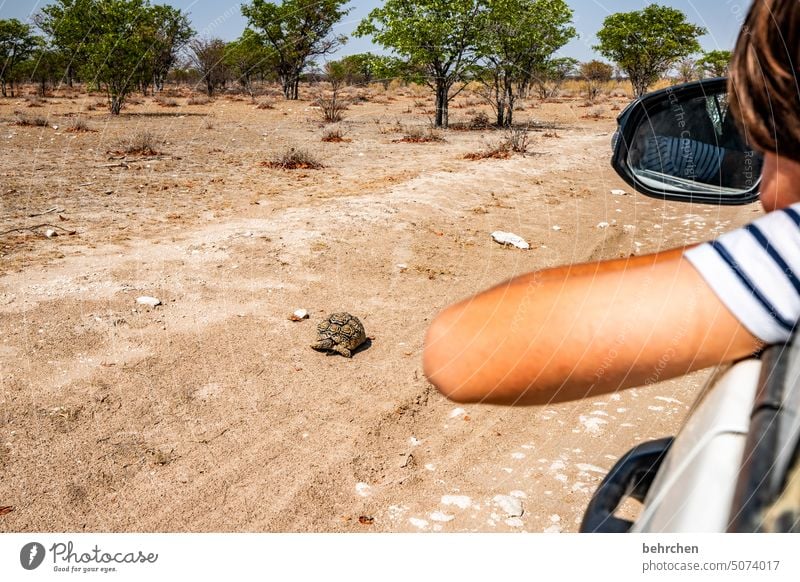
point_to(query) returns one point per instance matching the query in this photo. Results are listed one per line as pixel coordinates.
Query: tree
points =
(17, 42)
(715, 63)
(297, 31)
(46, 65)
(66, 23)
(438, 36)
(115, 44)
(596, 73)
(646, 43)
(687, 69)
(169, 32)
(549, 77)
(247, 58)
(519, 36)
(208, 57)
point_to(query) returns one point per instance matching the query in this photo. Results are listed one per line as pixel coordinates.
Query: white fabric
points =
(772, 286)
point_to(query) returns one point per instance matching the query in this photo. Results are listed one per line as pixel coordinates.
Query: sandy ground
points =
(210, 412)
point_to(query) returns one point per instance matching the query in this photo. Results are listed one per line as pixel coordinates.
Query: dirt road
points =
(210, 412)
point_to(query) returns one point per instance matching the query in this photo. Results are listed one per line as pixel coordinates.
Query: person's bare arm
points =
(576, 331)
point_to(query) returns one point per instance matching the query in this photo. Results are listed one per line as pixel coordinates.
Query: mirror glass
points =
(692, 144)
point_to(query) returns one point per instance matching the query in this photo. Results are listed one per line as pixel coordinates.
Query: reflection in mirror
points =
(693, 145)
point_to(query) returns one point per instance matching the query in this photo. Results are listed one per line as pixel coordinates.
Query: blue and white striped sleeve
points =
(755, 271)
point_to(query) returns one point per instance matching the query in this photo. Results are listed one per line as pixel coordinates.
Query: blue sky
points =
(223, 19)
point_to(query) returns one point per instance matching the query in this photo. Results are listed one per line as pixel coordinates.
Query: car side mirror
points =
(682, 143)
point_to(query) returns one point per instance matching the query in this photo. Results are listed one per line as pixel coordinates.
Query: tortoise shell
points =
(341, 333)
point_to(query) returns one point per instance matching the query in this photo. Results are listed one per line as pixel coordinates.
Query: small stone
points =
(556, 227)
(363, 489)
(402, 267)
(442, 516)
(50, 233)
(618, 192)
(299, 315)
(602, 225)
(510, 239)
(147, 300)
(460, 501)
(510, 505)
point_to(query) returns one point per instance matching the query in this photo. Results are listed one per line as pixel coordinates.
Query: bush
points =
(332, 107)
(266, 104)
(294, 159)
(79, 125)
(198, 100)
(420, 135)
(164, 102)
(334, 135)
(24, 120)
(516, 141)
(142, 143)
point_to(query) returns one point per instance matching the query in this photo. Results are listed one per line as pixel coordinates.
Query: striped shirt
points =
(682, 157)
(755, 271)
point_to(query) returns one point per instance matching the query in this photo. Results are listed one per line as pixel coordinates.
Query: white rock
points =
(50, 233)
(442, 516)
(147, 300)
(602, 225)
(510, 505)
(402, 267)
(460, 501)
(418, 523)
(457, 412)
(556, 227)
(509, 238)
(363, 489)
(514, 522)
(299, 315)
(618, 192)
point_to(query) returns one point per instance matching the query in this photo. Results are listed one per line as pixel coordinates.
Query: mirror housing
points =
(681, 143)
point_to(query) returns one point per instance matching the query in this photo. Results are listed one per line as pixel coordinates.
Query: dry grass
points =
(421, 135)
(515, 141)
(266, 104)
(294, 159)
(198, 100)
(479, 121)
(332, 107)
(142, 143)
(596, 113)
(165, 102)
(24, 120)
(79, 125)
(334, 135)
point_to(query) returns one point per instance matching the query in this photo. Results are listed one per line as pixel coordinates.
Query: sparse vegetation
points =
(79, 125)
(142, 143)
(421, 135)
(334, 135)
(294, 159)
(515, 141)
(166, 102)
(332, 107)
(266, 104)
(36, 121)
(198, 100)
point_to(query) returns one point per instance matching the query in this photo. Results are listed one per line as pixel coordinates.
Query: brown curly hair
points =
(763, 85)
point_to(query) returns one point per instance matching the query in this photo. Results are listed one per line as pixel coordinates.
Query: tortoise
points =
(341, 333)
